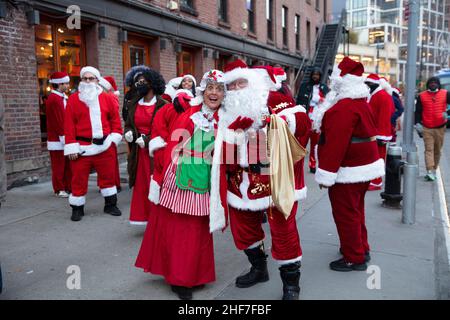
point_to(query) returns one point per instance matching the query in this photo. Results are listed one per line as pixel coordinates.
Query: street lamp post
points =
(411, 168)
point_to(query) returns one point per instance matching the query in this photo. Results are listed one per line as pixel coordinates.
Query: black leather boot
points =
(258, 272)
(77, 213)
(290, 276)
(184, 293)
(111, 206)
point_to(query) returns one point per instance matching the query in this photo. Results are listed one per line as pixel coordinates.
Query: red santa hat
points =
(373, 78)
(59, 77)
(235, 70)
(109, 83)
(397, 90)
(278, 101)
(280, 76)
(189, 76)
(92, 70)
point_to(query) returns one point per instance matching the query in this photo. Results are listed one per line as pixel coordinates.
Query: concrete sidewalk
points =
(38, 242)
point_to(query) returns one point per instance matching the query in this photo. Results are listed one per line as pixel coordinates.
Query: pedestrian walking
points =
(431, 120)
(92, 124)
(138, 130)
(55, 106)
(348, 160)
(310, 95)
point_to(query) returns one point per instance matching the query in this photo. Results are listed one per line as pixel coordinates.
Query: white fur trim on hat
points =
(372, 80)
(237, 73)
(190, 77)
(66, 79)
(92, 70)
(105, 84)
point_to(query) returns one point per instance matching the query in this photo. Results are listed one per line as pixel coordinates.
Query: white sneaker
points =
(62, 194)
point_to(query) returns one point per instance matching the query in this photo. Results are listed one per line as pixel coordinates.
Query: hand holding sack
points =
(284, 151)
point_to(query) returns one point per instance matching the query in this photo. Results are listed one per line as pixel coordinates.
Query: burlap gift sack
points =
(284, 151)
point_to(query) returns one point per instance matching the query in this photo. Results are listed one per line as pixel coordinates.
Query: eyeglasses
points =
(86, 79)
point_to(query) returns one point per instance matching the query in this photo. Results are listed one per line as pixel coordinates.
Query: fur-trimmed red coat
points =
(97, 121)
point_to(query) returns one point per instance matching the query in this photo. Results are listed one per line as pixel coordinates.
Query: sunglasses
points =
(85, 79)
(140, 82)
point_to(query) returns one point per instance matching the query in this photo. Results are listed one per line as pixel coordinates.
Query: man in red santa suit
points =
(108, 84)
(382, 106)
(92, 125)
(348, 159)
(246, 189)
(55, 108)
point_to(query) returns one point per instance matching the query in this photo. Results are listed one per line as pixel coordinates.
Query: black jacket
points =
(305, 93)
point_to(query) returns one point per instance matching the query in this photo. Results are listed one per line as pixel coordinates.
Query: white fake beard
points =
(88, 92)
(246, 102)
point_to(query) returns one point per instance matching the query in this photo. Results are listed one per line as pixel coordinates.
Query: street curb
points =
(443, 212)
(442, 241)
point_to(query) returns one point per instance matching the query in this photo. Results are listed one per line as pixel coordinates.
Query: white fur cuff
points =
(116, 138)
(71, 148)
(77, 201)
(109, 191)
(156, 144)
(325, 178)
(154, 192)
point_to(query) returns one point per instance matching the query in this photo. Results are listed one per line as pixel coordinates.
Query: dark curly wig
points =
(156, 80)
(131, 73)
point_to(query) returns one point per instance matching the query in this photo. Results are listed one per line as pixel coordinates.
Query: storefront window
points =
(57, 49)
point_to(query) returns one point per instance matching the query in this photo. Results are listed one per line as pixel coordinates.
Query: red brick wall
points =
(237, 14)
(19, 90)
(110, 53)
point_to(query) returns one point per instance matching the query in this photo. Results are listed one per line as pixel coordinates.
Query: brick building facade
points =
(173, 37)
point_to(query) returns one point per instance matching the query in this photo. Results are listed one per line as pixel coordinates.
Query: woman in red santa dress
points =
(177, 243)
(348, 160)
(138, 129)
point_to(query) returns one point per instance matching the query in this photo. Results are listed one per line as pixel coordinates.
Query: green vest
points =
(194, 165)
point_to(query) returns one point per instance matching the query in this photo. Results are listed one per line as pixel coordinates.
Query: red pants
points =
(247, 230)
(347, 203)
(378, 182)
(61, 173)
(104, 165)
(116, 169)
(314, 139)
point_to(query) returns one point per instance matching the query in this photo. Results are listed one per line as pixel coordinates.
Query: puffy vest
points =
(433, 106)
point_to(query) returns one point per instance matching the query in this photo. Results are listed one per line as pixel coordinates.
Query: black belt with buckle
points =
(96, 141)
(362, 140)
